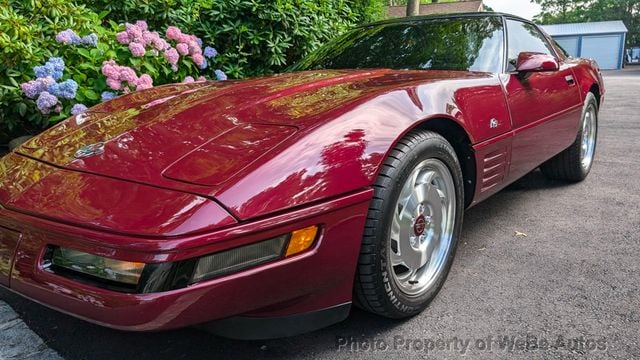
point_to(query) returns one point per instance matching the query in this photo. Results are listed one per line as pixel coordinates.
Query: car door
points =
(545, 106)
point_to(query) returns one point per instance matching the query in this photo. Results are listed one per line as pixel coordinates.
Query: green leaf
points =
(85, 53)
(22, 108)
(90, 94)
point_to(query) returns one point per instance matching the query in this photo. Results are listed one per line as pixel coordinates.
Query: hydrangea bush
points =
(52, 72)
(147, 57)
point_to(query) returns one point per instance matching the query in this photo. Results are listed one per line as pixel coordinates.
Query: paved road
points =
(572, 281)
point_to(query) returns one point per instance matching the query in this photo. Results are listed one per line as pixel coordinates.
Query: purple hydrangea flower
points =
(78, 109)
(66, 89)
(33, 88)
(210, 52)
(220, 75)
(172, 56)
(90, 40)
(123, 38)
(45, 102)
(136, 49)
(183, 49)
(108, 95)
(68, 37)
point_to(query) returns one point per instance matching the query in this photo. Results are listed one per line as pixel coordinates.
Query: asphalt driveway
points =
(569, 288)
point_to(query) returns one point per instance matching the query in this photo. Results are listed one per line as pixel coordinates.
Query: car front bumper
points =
(318, 279)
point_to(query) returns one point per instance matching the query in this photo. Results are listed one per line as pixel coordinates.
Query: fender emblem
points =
(89, 150)
(493, 123)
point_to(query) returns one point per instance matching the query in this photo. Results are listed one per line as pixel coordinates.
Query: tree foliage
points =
(571, 11)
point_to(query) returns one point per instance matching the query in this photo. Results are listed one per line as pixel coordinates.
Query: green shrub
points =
(255, 36)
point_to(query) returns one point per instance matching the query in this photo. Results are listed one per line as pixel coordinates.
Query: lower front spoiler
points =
(264, 328)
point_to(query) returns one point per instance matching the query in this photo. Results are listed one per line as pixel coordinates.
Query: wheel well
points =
(459, 139)
(595, 89)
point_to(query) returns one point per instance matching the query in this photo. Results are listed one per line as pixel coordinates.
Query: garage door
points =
(605, 49)
(569, 44)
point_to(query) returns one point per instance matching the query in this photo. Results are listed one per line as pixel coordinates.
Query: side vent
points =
(494, 169)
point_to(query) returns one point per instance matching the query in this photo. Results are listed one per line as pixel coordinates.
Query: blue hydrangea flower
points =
(78, 109)
(57, 63)
(66, 89)
(220, 75)
(199, 41)
(54, 68)
(204, 64)
(108, 95)
(46, 102)
(210, 52)
(91, 40)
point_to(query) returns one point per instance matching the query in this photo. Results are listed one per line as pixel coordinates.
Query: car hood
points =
(196, 137)
(200, 134)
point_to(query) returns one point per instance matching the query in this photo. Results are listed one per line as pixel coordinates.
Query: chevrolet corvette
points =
(266, 207)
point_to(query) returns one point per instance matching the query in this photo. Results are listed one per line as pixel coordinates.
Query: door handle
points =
(570, 80)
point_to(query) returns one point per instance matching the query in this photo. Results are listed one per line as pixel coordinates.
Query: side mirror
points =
(536, 62)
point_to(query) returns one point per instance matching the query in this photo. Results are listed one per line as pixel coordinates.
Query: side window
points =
(524, 37)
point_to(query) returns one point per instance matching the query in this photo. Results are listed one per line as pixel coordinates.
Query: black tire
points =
(374, 290)
(567, 166)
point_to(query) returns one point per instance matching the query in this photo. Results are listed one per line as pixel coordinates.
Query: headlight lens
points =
(243, 257)
(125, 272)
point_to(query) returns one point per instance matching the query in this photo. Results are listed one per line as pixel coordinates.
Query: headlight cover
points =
(136, 277)
(123, 272)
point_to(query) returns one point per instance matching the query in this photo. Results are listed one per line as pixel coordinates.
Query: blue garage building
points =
(603, 41)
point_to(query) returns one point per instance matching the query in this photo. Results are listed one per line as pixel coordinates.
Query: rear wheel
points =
(574, 163)
(412, 228)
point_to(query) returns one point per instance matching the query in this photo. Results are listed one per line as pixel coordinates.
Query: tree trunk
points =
(413, 7)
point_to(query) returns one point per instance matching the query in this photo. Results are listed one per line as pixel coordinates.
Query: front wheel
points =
(574, 163)
(412, 229)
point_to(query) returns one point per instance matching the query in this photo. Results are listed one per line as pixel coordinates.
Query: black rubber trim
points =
(263, 328)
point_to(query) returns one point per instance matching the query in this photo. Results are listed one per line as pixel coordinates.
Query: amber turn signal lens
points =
(301, 240)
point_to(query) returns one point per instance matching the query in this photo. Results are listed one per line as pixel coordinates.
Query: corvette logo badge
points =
(89, 150)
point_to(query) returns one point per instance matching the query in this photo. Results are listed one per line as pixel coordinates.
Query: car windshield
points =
(465, 43)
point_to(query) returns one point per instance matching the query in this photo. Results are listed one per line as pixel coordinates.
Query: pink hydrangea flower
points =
(144, 82)
(174, 33)
(137, 49)
(149, 37)
(172, 56)
(188, 79)
(123, 38)
(198, 59)
(202, 78)
(142, 25)
(127, 74)
(114, 84)
(133, 31)
(194, 48)
(183, 49)
(161, 44)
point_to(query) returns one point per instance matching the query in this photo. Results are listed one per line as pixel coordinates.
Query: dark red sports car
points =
(265, 207)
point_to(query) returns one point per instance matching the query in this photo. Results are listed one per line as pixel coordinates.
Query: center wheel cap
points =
(419, 225)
